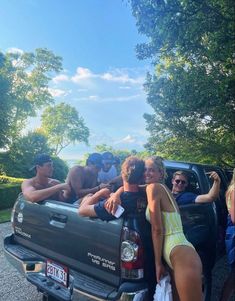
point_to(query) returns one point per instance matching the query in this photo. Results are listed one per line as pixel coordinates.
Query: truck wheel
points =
(47, 297)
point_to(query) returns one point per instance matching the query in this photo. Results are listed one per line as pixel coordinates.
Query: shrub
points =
(6, 179)
(8, 195)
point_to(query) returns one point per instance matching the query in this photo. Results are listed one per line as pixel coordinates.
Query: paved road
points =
(13, 286)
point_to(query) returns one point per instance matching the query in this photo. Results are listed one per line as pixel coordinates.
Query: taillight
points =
(12, 216)
(132, 259)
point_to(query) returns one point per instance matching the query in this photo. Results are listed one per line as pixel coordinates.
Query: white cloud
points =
(128, 139)
(60, 78)
(124, 88)
(124, 76)
(123, 98)
(99, 99)
(93, 97)
(15, 50)
(58, 92)
(16, 62)
(82, 74)
(121, 77)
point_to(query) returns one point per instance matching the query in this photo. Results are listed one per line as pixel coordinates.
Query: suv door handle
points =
(58, 220)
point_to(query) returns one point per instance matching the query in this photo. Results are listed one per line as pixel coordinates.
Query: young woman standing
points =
(168, 237)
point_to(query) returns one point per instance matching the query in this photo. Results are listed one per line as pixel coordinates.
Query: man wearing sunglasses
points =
(182, 197)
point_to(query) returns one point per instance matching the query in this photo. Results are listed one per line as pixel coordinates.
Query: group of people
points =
(100, 172)
(92, 188)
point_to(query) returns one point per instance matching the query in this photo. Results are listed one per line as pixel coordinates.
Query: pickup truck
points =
(67, 256)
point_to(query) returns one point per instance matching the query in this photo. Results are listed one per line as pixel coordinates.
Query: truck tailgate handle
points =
(58, 220)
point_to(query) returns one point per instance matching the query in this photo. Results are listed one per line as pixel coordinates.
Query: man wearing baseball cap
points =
(42, 186)
(108, 171)
(83, 179)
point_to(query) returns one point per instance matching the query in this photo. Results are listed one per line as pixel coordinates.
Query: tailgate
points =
(54, 230)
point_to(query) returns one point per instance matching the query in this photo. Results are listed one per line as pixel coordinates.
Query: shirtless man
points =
(84, 179)
(41, 186)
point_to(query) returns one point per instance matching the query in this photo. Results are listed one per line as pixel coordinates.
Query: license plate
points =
(57, 272)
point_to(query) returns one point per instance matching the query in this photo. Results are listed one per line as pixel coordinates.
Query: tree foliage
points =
(63, 125)
(18, 159)
(191, 45)
(24, 78)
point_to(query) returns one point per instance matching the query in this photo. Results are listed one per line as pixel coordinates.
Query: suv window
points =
(223, 184)
(193, 180)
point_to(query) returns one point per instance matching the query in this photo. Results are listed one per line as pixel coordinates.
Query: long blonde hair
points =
(231, 185)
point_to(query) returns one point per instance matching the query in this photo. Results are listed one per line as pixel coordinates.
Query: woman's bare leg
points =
(187, 273)
(173, 286)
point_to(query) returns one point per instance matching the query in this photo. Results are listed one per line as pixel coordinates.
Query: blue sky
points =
(102, 77)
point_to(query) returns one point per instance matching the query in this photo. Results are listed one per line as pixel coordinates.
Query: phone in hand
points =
(119, 211)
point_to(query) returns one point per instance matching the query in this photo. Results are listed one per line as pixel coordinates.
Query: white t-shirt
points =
(106, 176)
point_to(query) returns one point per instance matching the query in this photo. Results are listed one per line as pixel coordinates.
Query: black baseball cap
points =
(95, 159)
(40, 159)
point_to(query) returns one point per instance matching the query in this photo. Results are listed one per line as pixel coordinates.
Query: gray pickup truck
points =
(65, 255)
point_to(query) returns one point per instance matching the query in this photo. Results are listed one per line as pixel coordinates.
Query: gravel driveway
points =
(13, 286)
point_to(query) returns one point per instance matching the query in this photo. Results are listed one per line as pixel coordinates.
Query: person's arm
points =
(117, 181)
(84, 192)
(86, 208)
(214, 191)
(113, 201)
(75, 180)
(33, 195)
(153, 197)
(232, 204)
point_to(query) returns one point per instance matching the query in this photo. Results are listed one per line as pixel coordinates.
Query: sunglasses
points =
(180, 181)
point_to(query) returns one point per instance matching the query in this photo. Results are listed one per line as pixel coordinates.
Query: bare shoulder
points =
(77, 169)
(154, 187)
(27, 182)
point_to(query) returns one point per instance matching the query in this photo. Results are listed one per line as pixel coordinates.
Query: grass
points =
(5, 215)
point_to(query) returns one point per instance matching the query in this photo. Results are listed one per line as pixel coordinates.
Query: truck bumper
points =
(32, 266)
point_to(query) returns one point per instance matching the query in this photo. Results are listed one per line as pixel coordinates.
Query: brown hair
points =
(132, 170)
(181, 173)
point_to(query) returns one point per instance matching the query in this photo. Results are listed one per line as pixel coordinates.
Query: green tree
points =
(17, 161)
(5, 104)
(60, 169)
(63, 125)
(191, 45)
(24, 79)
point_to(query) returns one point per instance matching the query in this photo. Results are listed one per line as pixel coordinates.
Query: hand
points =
(53, 182)
(112, 203)
(65, 186)
(103, 185)
(160, 271)
(104, 193)
(215, 176)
